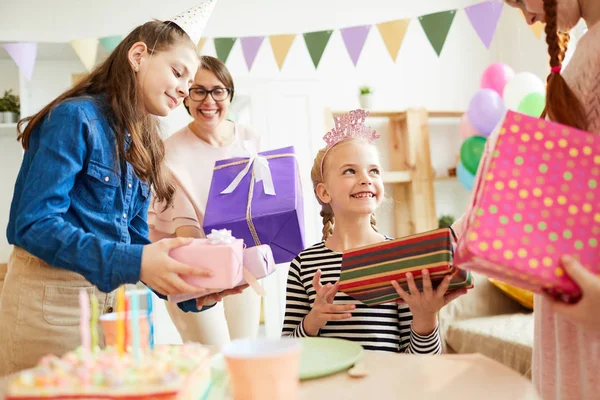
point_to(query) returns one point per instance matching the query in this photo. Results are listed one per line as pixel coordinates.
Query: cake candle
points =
(150, 319)
(120, 321)
(94, 324)
(84, 323)
(135, 326)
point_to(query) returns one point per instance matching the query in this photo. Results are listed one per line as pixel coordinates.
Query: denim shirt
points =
(76, 207)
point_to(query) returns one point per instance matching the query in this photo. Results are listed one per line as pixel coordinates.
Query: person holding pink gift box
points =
(347, 182)
(566, 355)
(191, 154)
(78, 214)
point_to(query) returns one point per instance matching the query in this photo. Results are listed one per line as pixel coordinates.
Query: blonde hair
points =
(317, 176)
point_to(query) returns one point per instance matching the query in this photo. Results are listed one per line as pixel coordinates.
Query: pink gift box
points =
(223, 260)
(536, 199)
(257, 263)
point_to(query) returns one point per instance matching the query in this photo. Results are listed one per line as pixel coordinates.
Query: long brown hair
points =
(316, 175)
(562, 105)
(116, 80)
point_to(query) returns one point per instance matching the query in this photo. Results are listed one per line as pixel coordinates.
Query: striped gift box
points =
(366, 272)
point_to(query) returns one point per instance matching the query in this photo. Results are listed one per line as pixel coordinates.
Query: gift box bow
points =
(260, 172)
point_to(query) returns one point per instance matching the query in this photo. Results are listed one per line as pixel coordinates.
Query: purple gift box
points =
(253, 215)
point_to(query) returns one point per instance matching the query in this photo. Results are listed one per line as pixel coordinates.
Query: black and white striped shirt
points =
(385, 327)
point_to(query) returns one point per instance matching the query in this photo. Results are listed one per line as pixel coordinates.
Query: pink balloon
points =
(466, 129)
(496, 76)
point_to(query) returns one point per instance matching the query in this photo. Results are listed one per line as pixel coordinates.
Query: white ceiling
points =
(63, 20)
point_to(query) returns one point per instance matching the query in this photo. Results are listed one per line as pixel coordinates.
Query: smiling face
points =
(213, 109)
(164, 77)
(568, 12)
(352, 179)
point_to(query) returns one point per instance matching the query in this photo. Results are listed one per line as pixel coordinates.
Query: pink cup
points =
(265, 369)
(109, 328)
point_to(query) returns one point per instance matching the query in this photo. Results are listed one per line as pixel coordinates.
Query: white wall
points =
(418, 78)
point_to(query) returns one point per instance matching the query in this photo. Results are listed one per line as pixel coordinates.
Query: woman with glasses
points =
(191, 154)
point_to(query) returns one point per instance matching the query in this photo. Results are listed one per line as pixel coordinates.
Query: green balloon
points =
(471, 151)
(533, 104)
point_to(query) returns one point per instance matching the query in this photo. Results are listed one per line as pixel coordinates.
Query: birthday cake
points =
(166, 372)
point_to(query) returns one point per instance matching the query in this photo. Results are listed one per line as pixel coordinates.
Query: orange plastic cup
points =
(109, 328)
(265, 369)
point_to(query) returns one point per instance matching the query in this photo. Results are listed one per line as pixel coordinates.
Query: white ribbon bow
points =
(221, 236)
(261, 169)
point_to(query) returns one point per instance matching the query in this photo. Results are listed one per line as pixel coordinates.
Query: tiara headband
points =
(348, 126)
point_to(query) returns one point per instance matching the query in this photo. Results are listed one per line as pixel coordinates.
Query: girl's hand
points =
(323, 309)
(585, 311)
(425, 305)
(162, 273)
(214, 298)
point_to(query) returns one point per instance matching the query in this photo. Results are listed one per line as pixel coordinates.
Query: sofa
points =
(487, 321)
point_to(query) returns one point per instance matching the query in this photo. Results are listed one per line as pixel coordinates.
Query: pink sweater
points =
(191, 161)
(566, 356)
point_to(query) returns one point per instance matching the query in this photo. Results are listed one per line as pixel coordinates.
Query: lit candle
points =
(127, 323)
(120, 321)
(135, 325)
(150, 319)
(94, 323)
(84, 323)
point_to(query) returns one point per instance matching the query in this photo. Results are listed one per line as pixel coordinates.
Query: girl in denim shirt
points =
(78, 214)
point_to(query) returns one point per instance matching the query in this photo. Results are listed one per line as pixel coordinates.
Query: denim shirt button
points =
(129, 186)
(124, 215)
(106, 179)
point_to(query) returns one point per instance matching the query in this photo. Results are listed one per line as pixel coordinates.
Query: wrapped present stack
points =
(367, 272)
(536, 199)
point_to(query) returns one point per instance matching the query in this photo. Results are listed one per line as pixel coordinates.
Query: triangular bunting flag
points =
(250, 46)
(281, 45)
(23, 54)
(201, 43)
(87, 50)
(536, 28)
(316, 43)
(110, 42)
(436, 27)
(354, 39)
(393, 33)
(484, 19)
(223, 47)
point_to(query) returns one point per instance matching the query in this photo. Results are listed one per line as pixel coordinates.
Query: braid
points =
(552, 36)
(374, 223)
(328, 221)
(563, 43)
(562, 105)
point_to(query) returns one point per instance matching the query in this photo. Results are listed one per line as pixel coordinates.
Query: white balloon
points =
(520, 86)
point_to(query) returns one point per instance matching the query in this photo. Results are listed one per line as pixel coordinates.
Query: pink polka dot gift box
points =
(536, 198)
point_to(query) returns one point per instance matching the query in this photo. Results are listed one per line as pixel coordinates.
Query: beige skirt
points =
(39, 311)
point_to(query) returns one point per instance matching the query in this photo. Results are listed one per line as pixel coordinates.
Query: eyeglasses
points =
(218, 94)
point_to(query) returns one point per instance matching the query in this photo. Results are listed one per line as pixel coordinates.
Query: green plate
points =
(325, 356)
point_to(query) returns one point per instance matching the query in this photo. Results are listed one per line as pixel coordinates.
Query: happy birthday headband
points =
(348, 126)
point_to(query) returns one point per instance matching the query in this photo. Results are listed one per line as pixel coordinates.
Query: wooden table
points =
(395, 376)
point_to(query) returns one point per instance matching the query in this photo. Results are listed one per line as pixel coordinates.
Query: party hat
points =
(193, 21)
